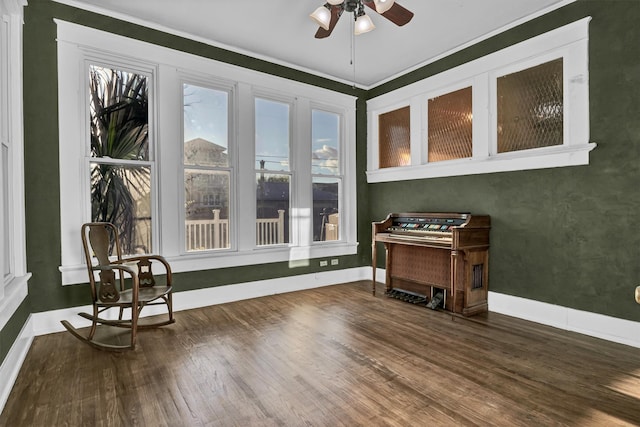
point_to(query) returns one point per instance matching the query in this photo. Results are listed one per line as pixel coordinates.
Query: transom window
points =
(394, 138)
(531, 108)
(450, 126)
(524, 107)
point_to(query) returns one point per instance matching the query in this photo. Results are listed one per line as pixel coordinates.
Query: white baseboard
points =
(49, 321)
(13, 362)
(584, 322)
(593, 324)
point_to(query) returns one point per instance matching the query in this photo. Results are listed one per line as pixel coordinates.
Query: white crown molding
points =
(128, 18)
(154, 26)
(474, 41)
(12, 6)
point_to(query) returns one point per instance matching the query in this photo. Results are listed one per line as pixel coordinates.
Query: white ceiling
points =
(282, 32)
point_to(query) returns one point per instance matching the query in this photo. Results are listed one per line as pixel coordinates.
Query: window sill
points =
(542, 158)
(296, 256)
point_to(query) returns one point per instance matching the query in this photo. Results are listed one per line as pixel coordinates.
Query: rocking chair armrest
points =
(135, 259)
(116, 266)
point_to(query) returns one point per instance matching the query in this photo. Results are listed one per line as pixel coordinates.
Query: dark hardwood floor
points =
(334, 356)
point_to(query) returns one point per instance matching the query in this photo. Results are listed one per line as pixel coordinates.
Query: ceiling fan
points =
(327, 15)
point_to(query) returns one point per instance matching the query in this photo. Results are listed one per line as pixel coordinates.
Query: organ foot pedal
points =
(436, 301)
(406, 296)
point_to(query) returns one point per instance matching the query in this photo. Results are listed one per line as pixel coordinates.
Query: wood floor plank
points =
(333, 356)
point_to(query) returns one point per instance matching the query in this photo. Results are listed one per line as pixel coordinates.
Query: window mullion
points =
(483, 117)
(245, 200)
(302, 219)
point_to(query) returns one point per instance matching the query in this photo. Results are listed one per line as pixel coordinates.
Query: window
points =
(207, 167)
(223, 176)
(530, 108)
(523, 107)
(119, 163)
(450, 126)
(273, 171)
(326, 169)
(394, 129)
(13, 265)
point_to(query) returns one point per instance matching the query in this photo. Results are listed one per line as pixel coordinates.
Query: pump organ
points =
(430, 253)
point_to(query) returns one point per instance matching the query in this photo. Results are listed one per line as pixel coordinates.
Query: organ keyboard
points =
(436, 253)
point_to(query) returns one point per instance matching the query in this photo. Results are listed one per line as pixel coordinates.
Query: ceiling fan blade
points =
(336, 11)
(396, 14)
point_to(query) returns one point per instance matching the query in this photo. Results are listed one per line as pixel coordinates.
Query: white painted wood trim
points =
(593, 324)
(49, 321)
(608, 328)
(13, 362)
(77, 43)
(569, 42)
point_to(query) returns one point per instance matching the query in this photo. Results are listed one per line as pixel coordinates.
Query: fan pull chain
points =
(353, 52)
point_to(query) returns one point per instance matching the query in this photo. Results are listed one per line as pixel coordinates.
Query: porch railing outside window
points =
(204, 234)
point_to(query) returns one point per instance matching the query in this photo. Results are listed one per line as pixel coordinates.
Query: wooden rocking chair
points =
(124, 283)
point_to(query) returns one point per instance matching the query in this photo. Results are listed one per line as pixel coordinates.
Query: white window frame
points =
(80, 182)
(293, 149)
(214, 83)
(76, 42)
(14, 277)
(569, 42)
(340, 176)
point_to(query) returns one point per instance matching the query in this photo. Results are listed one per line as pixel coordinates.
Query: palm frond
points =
(119, 130)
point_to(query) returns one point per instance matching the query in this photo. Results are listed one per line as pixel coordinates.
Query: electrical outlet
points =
(334, 261)
(323, 263)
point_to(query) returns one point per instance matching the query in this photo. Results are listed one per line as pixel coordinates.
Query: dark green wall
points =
(566, 236)
(12, 328)
(41, 153)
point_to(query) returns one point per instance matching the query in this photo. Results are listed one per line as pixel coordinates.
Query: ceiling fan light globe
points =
(335, 2)
(383, 5)
(363, 25)
(322, 17)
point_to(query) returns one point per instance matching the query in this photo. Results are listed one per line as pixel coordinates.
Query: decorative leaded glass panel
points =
(530, 108)
(394, 138)
(450, 133)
